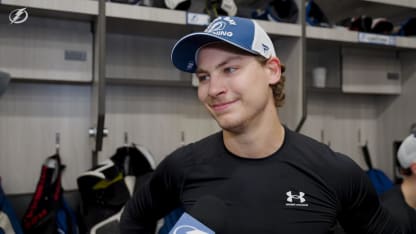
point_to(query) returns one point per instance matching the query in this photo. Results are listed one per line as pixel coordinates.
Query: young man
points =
(401, 199)
(256, 175)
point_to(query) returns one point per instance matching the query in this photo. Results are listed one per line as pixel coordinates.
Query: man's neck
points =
(409, 191)
(258, 142)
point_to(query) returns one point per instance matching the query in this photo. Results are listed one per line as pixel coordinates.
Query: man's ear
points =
(274, 69)
(413, 168)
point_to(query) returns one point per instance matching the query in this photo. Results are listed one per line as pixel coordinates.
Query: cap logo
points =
(190, 65)
(217, 27)
(265, 48)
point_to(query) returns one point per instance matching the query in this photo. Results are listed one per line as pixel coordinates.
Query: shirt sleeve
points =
(155, 198)
(361, 210)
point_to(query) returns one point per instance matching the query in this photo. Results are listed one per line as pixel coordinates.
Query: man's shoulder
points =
(320, 157)
(304, 141)
(197, 150)
(392, 195)
(300, 145)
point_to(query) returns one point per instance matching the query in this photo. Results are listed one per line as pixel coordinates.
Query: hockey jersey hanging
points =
(48, 212)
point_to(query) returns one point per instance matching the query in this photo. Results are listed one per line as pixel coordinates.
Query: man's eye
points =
(202, 78)
(230, 69)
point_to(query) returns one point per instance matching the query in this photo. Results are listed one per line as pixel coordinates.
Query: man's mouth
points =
(218, 107)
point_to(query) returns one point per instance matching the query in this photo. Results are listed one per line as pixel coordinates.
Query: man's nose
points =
(217, 86)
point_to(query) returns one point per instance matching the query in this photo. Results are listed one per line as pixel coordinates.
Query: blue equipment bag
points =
(380, 181)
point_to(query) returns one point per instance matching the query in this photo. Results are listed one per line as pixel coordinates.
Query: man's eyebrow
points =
(225, 62)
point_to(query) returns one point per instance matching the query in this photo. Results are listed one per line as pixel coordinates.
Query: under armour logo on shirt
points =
(299, 197)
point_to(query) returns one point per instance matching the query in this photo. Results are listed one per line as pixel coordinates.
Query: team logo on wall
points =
(18, 16)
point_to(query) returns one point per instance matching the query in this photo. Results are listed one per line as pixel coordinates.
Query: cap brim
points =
(184, 52)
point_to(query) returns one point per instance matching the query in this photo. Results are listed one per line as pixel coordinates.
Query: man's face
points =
(233, 86)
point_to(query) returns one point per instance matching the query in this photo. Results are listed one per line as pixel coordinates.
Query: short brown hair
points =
(278, 88)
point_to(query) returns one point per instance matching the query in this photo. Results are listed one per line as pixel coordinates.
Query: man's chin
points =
(230, 126)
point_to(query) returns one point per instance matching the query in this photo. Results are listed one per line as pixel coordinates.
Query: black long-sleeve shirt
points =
(395, 203)
(303, 187)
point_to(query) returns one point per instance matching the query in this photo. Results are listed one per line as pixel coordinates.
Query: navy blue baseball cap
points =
(243, 33)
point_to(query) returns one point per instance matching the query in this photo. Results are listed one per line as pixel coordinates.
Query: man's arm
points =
(132, 222)
(131, 218)
(155, 198)
(361, 208)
